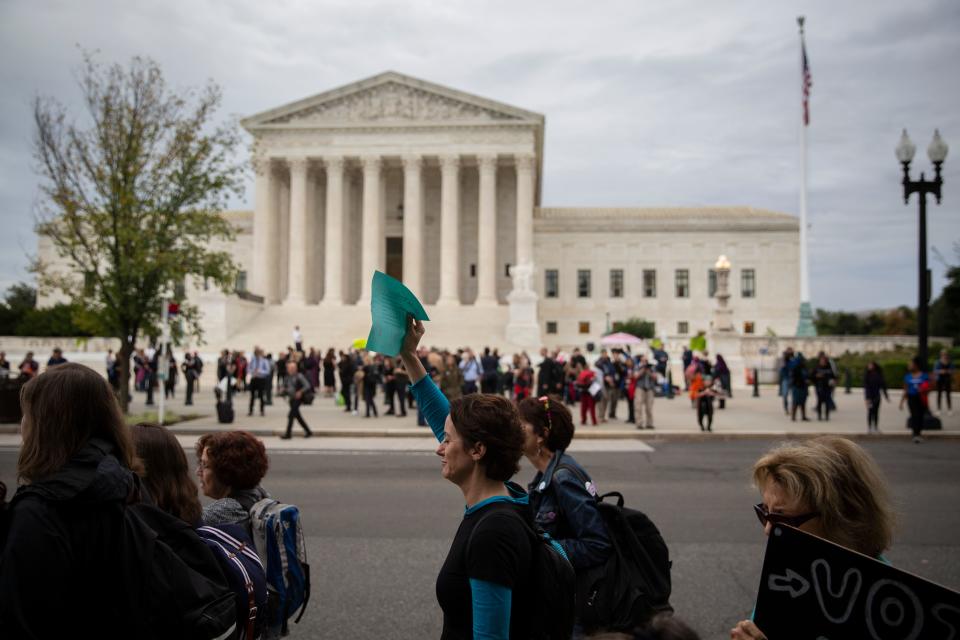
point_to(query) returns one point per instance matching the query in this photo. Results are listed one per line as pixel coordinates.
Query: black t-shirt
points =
(500, 553)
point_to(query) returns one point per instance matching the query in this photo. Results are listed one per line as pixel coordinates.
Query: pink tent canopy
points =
(620, 338)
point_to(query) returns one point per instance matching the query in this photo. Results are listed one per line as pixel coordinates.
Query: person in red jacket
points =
(586, 382)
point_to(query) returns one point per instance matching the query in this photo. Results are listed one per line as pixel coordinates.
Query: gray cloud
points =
(685, 103)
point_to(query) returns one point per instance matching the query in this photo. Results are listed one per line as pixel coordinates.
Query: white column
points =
(297, 253)
(333, 252)
(449, 231)
(413, 224)
(487, 240)
(525, 179)
(264, 216)
(371, 230)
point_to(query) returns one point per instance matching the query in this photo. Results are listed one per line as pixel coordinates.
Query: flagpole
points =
(805, 326)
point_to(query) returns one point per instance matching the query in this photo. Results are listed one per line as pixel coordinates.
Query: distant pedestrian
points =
(490, 365)
(705, 395)
(29, 368)
(347, 370)
(451, 378)
(372, 377)
(916, 386)
(296, 386)
(873, 386)
(472, 371)
(56, 358)
(722, 372)
(784, 372)
(799, 382)
(589, 386)
(5, 366)
(645, 385)
(260, 379)
(943, 374)
(297, 339)
(824, 380)
(329, 373)
(190, 374)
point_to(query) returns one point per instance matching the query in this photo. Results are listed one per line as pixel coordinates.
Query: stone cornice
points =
(692, 219)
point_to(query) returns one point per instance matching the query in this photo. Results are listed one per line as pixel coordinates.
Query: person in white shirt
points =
(297, 338)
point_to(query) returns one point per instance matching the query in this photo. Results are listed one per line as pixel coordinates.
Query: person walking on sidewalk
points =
(873, 385)
(943, 374)
(295, 386)
(916, 386)
(799, 379)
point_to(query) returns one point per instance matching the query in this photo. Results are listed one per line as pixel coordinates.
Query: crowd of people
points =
(81, 468)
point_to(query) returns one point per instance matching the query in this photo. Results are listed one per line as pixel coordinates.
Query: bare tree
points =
(132, 198)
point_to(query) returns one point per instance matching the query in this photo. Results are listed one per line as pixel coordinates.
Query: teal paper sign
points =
(390, 303)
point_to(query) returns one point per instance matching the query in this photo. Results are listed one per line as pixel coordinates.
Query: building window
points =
(682, 283)
(649, 283)
(241, 284)
(683, 328)
(748, 327)
(584, 327)
(583, 283)
(473, 270)
(616, 283)
(551, 284)
(551, 326)
(711, 283)
(748, 283)
(506, 270)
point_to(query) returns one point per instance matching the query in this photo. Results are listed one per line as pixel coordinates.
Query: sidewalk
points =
(744, 416)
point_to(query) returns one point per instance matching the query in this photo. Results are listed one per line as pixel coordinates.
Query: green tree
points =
(131, 198)
(945, 310)
(20, 299)
(635, 327)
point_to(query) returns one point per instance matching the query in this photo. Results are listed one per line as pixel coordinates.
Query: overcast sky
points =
(647, 103)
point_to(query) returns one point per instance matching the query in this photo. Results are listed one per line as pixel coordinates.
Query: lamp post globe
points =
(905, 148)
(937, 151)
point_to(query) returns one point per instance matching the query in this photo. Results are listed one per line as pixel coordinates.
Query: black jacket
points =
(59, 572)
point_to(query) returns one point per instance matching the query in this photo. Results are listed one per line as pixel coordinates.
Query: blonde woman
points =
(829, 487)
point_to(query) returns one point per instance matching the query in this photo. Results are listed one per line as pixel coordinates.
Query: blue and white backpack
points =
(279, 540)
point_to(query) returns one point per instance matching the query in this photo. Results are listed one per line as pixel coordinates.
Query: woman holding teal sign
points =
(485, 586)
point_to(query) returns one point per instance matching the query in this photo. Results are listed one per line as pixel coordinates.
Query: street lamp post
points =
(937, 152)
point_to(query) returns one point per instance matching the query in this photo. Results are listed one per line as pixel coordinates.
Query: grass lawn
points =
(169, 417)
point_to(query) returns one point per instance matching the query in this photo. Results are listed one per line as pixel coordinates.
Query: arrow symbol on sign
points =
(787, 582)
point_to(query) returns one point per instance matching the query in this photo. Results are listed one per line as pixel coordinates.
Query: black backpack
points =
(554, 583)
(173, 580)
(633, 585)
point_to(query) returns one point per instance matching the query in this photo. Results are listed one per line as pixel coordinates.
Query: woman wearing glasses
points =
(829, 487)
(562, 494)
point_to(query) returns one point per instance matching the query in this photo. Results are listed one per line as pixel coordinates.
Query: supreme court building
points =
(442, 190)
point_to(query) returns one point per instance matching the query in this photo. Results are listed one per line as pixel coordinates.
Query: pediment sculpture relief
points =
(392, 102)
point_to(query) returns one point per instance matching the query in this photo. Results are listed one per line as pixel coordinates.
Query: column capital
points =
(298, 164)
(524, 161)
(261, 165)
(371, 163)
(450, 162)
(412, 161)
(487, 161)
(334, 162)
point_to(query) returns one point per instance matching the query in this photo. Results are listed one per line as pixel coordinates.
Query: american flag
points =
(807, 83)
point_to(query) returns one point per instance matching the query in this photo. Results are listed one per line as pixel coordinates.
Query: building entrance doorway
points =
(395, 258)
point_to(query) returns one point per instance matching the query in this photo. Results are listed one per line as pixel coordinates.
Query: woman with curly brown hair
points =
(230, 466)
(166, 474)
(486, 587)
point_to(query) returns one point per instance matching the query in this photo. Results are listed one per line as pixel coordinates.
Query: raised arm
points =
(431, 401)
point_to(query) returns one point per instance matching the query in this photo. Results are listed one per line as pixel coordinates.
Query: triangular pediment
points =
(389, 99)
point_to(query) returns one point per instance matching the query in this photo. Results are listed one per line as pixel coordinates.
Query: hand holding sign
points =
(390, 305)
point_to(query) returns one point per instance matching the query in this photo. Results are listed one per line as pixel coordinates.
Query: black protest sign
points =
(813, 589)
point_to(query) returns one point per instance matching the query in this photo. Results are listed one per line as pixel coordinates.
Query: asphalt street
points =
(379, 525)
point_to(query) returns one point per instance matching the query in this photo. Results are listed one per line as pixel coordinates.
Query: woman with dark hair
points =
(485, 587)
(230, 466)
(65, 523)
(722, 373)
(166, 475)
(329, 373)
(562, 494)
(824, 380)
(874, 385)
